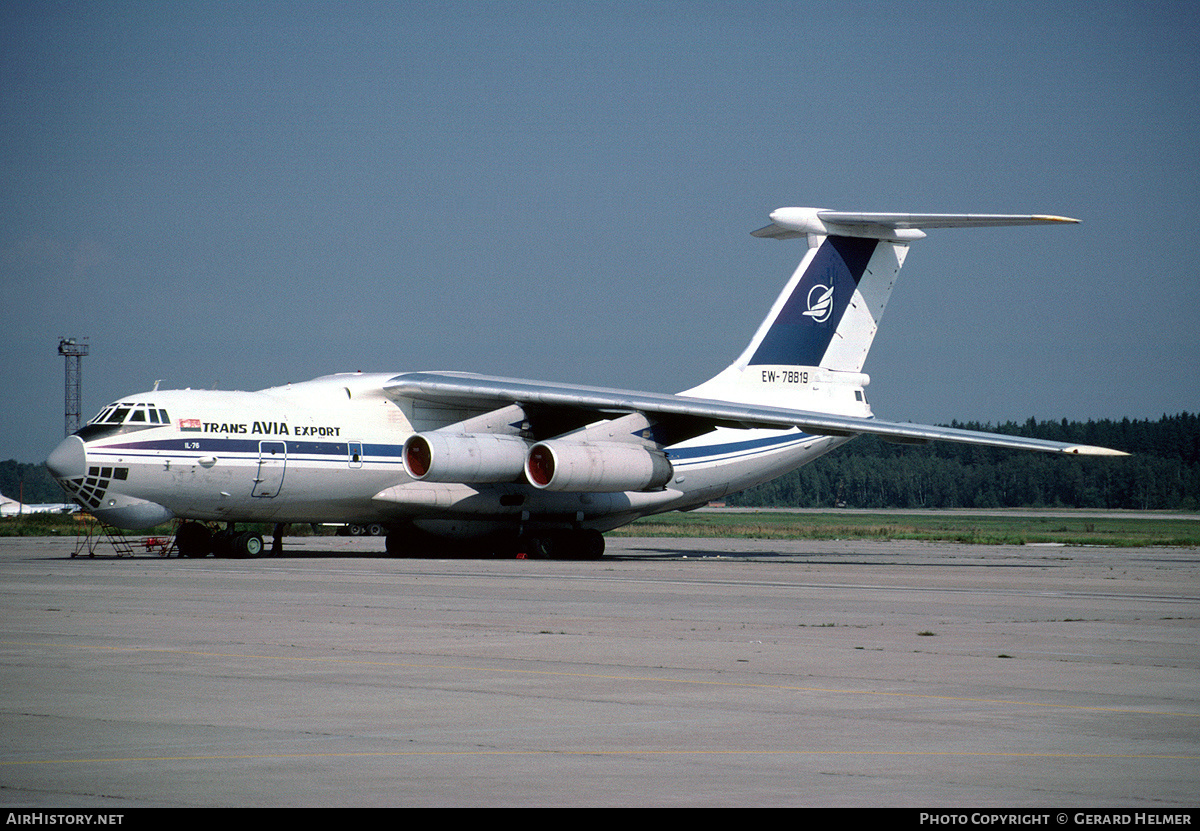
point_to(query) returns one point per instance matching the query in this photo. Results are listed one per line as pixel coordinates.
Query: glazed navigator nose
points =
(68, 460)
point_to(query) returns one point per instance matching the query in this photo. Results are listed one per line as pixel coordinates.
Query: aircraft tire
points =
(223, 544)
(248, 545)
(541, 547)
(589, 545)
(193, 540)
(401, 544)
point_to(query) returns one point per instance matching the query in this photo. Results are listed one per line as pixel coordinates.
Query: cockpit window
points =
(128, 412)
(122, 417)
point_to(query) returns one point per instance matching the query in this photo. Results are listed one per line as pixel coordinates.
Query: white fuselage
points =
(330, 450)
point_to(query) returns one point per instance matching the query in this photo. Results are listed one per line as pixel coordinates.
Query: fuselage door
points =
(272, 462)
(354, 453)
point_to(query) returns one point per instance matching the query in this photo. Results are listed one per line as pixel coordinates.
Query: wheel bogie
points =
(235, 544)
(582, 544)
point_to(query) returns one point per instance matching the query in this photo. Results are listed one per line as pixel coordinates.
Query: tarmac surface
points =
(675, 672)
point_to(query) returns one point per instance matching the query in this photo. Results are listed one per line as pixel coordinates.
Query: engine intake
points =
(464, 457)
(597, 466)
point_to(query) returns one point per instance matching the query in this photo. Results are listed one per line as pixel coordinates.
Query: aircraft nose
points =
(68, 460)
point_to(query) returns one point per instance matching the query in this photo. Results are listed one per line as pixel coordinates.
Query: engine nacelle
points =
(465, 457)
(598, 466)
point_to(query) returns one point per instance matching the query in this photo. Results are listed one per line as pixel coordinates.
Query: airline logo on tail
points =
(820, 303)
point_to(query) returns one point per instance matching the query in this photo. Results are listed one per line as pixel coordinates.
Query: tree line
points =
(1162, 473)
(30, 483)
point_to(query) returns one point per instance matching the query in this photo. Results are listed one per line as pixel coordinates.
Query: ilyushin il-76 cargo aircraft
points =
(452, 461)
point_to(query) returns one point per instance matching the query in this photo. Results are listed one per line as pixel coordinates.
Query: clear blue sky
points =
(244, 194)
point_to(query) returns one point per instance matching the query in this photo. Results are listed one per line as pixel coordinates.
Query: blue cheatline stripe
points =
(801, 333)
(747, 447)
(199, 445)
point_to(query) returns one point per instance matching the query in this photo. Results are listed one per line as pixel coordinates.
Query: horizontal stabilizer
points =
(791, 223)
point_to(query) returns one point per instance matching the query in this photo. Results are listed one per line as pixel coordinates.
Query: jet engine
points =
(464, 457)
(596, 466)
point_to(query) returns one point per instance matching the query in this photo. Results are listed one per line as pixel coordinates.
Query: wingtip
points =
(1091, 450)
(1051, 218)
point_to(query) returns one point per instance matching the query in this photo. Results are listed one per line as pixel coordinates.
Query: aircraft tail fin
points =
(820, 328)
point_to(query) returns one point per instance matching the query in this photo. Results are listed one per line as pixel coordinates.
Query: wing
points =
(690, 416)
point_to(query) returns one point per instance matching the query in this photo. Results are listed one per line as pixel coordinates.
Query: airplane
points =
(506, 466)
(12, 507)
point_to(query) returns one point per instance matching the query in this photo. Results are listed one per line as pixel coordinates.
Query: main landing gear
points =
(584, 544)
(194, 539)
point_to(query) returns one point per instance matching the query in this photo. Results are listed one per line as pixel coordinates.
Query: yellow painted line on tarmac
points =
(607, 677)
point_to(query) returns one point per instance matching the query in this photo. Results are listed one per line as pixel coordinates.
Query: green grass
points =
(44, 525)
(1126, 530)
